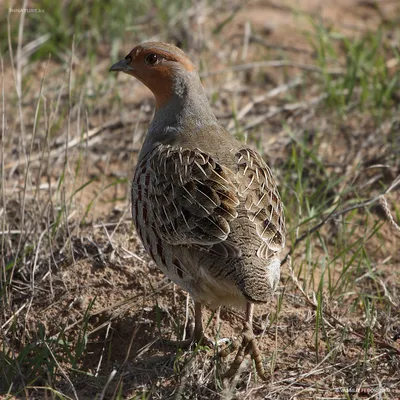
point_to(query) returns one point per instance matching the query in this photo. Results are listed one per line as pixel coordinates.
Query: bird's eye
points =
(151, 59)
(128, 58)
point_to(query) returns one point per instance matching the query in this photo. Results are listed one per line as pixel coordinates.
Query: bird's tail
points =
(259, 279)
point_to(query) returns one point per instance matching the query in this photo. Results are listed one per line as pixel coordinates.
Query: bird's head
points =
(160, 66)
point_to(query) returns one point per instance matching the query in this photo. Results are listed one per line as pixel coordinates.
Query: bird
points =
(205, 205)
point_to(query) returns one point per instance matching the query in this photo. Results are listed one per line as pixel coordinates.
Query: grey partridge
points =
(205, 205)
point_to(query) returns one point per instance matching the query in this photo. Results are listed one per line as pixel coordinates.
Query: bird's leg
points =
(248, 346)
(197, 335)
(217, 325)
(198, 322)
(236, 342)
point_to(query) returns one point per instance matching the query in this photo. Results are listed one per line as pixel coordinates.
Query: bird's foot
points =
(248, 346)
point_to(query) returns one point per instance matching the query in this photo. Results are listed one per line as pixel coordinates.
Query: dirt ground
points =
(98, 287)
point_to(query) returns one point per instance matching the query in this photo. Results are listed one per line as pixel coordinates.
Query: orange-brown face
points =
(156, 65)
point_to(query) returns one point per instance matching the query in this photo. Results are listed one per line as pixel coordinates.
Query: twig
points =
(388, 214)
(344, 211)
(259, 99)
(327, 313)
(246, 40)
(110, 378)
(55, 153)
(273, 64)
(287, 107)
(260, 41)
(32, 46)
(62, 371)
(12, 317)
(3, 212)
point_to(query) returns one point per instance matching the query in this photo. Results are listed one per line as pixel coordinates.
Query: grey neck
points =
(187, 110)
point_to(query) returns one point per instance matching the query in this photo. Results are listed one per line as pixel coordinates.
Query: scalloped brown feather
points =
(262, 201)
(191, 200)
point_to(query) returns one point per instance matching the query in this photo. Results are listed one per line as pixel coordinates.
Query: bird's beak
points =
(121, 65)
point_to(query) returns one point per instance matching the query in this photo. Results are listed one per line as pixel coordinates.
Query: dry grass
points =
(83, 309)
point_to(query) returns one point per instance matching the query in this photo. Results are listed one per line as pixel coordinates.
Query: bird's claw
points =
(248, 346)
